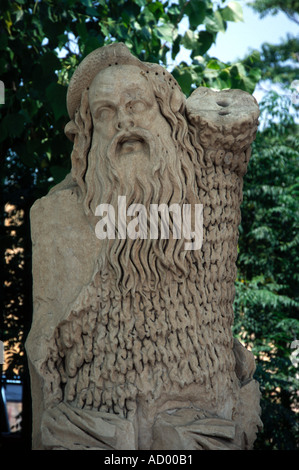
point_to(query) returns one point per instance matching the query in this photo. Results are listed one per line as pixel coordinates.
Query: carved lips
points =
(130, 143)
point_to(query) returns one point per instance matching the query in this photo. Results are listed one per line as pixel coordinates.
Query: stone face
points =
(131, 344)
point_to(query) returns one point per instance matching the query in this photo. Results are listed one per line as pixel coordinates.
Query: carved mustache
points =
(136, 135)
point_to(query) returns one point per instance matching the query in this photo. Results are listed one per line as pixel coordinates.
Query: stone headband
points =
(104, 57)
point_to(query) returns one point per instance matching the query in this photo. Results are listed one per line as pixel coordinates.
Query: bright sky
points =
(250, 34)
(247, 35)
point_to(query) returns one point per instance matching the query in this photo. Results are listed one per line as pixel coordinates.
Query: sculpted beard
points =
(139, 264)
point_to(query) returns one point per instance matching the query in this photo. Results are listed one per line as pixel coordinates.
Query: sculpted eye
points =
(104, 113)
(138, 106)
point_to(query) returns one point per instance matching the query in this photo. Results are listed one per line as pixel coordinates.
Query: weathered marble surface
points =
(131, 344)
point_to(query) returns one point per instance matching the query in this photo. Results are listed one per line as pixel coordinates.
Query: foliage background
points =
(41, 43)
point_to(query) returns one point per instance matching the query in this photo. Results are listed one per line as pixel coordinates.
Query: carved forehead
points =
(105, 58)
(116, 80)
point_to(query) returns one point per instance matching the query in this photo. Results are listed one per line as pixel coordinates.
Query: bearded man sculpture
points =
(131, 344)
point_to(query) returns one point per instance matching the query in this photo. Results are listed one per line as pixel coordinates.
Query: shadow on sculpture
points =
(131, 344)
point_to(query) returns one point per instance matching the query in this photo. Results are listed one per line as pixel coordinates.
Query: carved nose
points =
(124, 121)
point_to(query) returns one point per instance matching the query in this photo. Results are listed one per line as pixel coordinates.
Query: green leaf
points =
(190, 39)
(196, 12)
(38, 26)
(27, 156)
(214, 22)
(58, 173)
(174, 10)
(166, 31)
(50, 62)
(8, 22)
(176, 46)
(52, 30)
(19, 14)
(248, 84)
(92, 12)
(214, 64)
(56, 95)
(254, 57)
(210, 73)
(184, 79)
(3, 41)
(146, 33)
(81, 30)
(238, 70)
(255, 74)
(86, 3)
(204, 42)
(225, 77)
(140, 3)
(14, 124)
(148, 15)
(156, 7)
(104, 29)
(232, 12)
(91, 44)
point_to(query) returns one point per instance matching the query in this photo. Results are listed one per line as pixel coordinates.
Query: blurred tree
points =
(267, 301)
(277, 62)
(272, 7)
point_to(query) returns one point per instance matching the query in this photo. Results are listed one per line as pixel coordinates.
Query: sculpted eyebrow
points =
(138, 92)
(103, 102)
(139, 95)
